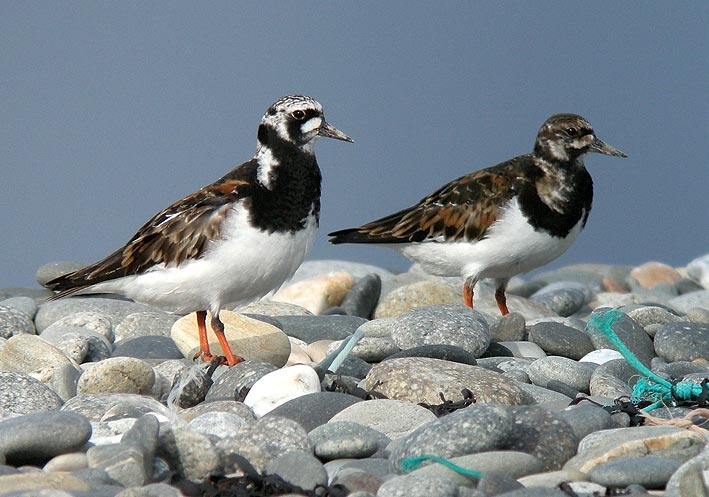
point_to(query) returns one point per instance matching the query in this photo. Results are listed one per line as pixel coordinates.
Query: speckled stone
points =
(393, 418)
(421, 293)
(683, 341)
(117, 375)
(22, 394)
(14, 322)
(559, 339)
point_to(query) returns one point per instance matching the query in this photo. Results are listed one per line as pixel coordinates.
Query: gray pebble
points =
(218, 424)
(26, 305)
(123, 463)
(22, 394)
(632, 335)
(393, 418)
(81, 344)
(561, 340)
(363, 297)
(585, 419)
(543, 434)
(96, 406)
(141, 324)
(456, 325)
(546, 370)
(114, 309)
(650, 472)
(14, 322)
(237, 379)
(144, 436)
(442, 351)
(313, 328)
(190, 388)
(92, 320)
(189, 453)
(685, 302)
(314, 409)
(509, 328)
(611, 379)
(345, 439)
(117, 375)
(683, 341)
(417, 486)
(301, 469)
(148, 347)
(563, 297)
(40, 436)
(230, 406)
(51, 270)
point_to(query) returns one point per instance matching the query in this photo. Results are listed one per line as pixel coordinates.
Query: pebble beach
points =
(100, 397)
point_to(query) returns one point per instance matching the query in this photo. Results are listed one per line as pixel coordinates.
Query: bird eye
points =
(571, 131)
(298, 114)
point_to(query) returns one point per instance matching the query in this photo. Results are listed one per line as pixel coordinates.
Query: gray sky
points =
(113, 110)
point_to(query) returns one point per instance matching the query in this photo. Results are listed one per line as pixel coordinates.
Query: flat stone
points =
(217, 425)
(33, 484)
(546, 370)
(280, 386)
(443, 352)
(142, 324)
(124, 463)
(682, 341)
(318, 292)
(543, 434)
(51, 270)
(313, 328)
(78, 343)
(345, 439)
(417, 486)
(40, 436)
(301, 469)
(585, 419)
(24, 353)
(370, 349)
(61, 380)
(363, 297)
(393, 418)
(478, 428)
(563, 297)
(686, 302)
(652, 274)
(90, 320)
(22, 394)
(114, 310)
(189, 453)
(455, 325)
(632, 335)
(25, 305)
(14, 322)
(601, 356)
(612, 379)
(650, 472)
(509, 328)
(422, 293)
(272, 309)
(524, 349)
(247, 337)
(227, 406)
(698, 270)
(96, 406)
(357, 269)
(148, 348)
(561, 340)
(423, 379)
(236, 380)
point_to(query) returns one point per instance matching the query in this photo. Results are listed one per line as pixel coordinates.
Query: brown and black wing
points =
(462, 209)
(179, 233)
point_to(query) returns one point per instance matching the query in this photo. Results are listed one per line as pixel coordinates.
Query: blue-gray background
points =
(113, 110)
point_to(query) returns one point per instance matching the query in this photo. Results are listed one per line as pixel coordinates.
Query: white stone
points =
(280, 386)
(601, 356)
(524, 349)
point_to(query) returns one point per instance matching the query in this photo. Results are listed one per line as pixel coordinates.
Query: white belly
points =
(243, 266)
(511, 247)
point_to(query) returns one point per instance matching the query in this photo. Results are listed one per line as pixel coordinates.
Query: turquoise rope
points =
(412, 463)
(651, 387)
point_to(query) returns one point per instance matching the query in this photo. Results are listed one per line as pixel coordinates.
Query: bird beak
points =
(602, 147)
(330, 131)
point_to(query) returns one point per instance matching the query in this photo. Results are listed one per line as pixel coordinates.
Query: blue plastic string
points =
(412, 463)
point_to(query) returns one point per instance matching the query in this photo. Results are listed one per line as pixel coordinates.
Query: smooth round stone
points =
(26, 305)
(546, 370)
(51, 270)
(97, 406)
(217, 424)
(632, 335)
(514, 464)
(682, 341)
(393, 418)
(38, 484)
(80, 344)
(539, 395)
(650, 472)
(648, 315)
(363, 296)
(601, 356)
(478, 428)
(91, 320)
(280, 386)
(41, 436)
(72, 461)
(345, 439)
(496, 350)
(190, 454)
(420, 379)
(237, 379)
(117, 375)
(314, 409)
(14, 322)
(301, 469)
(421, 293)
(652, 274)
(680, 369)
(114, 310)
(585, 419)
(22, 394)
(611, 379)
(543, 434)
(685, 302)
(561, 340)
(370, 349)
(247, 337)
(443, 352)
(698, 270)
(313, 328)
(509, 328)
(417, 486)
(357, 269)
(141, 324)
(563, 297)
(698, 315)
(318, 292)
(455, 325)
(497, 483)
(148, 348)
(25, 353)
(227, 406)
(262, 441)
(272, 309)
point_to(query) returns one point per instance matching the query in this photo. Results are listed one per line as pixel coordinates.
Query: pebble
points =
(632, 335)
(544, 435)
(22, 394)
(393, 418)
(420, 379)
(370, 349)
(363, 297)
(25, 353)
(301, 469)
(91, 320)
(652, 274)
(25, 305)
(238, 379)
(650, 472)
(313, 328)
(509, 328)
(247, 337)
(345, 439)
(414, 486)
(682, 341)
(114, 310)
(117, 375)
(142, 324)
(218, 424)
(523, 349)
(698, 270)
(280, 386)
(546, 371)
(559, 339)
(563, 297)
(601, 356)
(422, 293)
(512, 463)
(318, 292)
(455, 325)
(444, 352)
(315, 409)
(611, 379)
(85, 344)
(13, 322)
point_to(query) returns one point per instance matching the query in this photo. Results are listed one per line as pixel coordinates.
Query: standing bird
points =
(501, 221)
(235, 240)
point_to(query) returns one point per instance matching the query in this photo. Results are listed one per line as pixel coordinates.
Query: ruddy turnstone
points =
(235, 240)
(501, 221)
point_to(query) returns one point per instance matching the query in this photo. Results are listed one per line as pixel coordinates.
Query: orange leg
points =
(204, 352)
(501, 300)
(468, 291)
(218, 328)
